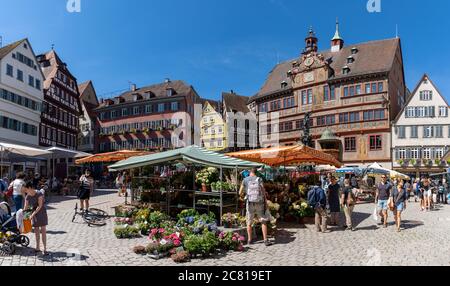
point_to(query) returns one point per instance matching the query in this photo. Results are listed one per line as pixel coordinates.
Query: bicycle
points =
(95, 217)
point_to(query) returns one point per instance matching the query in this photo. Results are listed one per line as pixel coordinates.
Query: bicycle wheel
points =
(24, 241)
(98, 213)
(95, 217)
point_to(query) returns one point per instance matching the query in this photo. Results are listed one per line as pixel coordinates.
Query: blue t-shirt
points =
(3, 186)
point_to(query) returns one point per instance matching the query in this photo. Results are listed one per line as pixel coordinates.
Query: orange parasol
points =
(287, 156)
(111, 157)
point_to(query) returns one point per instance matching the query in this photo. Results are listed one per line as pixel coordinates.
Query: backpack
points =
(351, 198)
(254, 192)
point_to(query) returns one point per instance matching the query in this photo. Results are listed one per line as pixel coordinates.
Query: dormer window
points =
(350, 60)
(170, 92)
(137, 97)
(149, 95)
(345, 70)
(354, 51)
(284, 84)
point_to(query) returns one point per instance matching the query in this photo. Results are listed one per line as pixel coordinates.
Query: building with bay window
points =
(352, 91)
(61, 108)
(421, 132)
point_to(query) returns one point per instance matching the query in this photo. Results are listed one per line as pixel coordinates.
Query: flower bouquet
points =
(231, 241)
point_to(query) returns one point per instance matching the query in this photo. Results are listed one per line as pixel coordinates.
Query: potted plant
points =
(229, 220)
(401, 162)
(213, 187)
(206, 176)
(414, 162)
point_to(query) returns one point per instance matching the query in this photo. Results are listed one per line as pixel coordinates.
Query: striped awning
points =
(192, 155)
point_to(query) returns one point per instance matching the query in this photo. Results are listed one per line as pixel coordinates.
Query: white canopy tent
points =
(57, 152)
(25, 151)
(377, 169)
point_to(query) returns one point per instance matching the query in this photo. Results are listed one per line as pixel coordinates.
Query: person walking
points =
(119, 183)
(441, 193)
(446, 190)
(399, 196)
(333, 195)
(17, 185)
(317, 199)
(35, 202)
(253, 192)
(381, 198)
(348, 201)
(408, 189)
(86, 189)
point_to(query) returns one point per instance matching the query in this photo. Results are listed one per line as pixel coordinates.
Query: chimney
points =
(133, 87)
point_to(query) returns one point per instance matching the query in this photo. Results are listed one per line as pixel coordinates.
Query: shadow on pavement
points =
(410, 224)
(70, 258)
(284, 237)
(358, 218)
(52, 232)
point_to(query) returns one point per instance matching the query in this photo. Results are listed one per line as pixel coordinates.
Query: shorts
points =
(84, 194)
(427, 194)
(400, 207)
(383, 205)
(258, 210)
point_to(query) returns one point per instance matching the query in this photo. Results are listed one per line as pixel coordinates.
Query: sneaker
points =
(268, 243)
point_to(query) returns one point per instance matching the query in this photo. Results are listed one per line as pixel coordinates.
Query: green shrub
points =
(204, 244)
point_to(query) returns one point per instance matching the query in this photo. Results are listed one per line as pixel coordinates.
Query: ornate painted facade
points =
(354, 91)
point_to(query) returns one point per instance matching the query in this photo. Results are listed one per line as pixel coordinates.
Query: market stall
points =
(299, 168)
(223, 194)
(110, 157)
(287, 156)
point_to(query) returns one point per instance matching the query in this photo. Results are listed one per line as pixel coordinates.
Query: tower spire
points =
(337, 43)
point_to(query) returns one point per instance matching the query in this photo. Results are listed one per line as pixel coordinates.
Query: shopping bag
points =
(375, 214)
(27, 227)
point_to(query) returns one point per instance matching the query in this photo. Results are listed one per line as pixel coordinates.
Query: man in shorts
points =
(252, 189)
(382, 197)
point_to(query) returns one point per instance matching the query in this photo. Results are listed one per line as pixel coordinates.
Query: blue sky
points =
(219, 45)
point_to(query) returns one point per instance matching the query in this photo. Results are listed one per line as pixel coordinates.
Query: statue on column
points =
(307, 138)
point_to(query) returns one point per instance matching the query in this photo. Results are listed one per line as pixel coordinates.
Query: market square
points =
(191, 140)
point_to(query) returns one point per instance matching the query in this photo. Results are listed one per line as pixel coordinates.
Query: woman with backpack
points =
(399, 198)
(348, 201)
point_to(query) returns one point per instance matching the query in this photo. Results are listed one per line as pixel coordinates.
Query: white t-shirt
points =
(17, 186)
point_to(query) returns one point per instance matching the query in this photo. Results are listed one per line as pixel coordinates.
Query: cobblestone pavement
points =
(425, 241)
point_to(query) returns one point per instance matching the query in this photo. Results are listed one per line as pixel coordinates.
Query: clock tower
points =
(311, 42)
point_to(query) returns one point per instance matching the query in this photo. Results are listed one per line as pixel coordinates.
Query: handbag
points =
(9, 193)
(27, 227)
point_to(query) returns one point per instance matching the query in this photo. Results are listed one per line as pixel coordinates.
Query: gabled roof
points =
(55, 64)
(408, 101)
(233, 102)
(214, 103)
(83, 88)
(9, 48)
(159, 90)
(372, 57)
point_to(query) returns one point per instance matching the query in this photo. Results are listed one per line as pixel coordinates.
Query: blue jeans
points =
(18, 202)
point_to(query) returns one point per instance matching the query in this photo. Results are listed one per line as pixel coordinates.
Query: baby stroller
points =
(9, 233)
